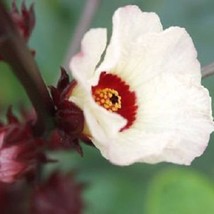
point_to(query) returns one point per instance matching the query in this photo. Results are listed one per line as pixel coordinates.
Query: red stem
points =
(15, 52)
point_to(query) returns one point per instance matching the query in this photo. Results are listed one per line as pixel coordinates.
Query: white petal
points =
(170, 51)
(183, 110)
(102, 123)
(129, 25)
(174, 126)
(83, 64)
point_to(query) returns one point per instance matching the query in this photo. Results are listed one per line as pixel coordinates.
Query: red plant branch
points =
(83, 25)
(14, 51)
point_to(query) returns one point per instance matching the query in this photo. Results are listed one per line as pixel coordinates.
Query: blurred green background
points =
(141, 188)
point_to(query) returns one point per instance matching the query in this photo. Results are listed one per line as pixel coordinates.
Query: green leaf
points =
(180, 192)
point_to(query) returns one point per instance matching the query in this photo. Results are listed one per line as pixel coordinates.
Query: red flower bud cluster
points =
(21, 154)
(68, 117)
(24, 142)
(23, 19)
(20, 151)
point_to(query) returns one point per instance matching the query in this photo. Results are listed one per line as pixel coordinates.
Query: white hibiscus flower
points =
(141, 95)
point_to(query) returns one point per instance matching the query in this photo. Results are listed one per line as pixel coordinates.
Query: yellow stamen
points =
(108, 98)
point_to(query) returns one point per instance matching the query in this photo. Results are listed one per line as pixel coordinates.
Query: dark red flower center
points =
(115, 95)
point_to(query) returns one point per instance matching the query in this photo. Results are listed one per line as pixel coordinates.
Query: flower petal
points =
(83, 64)
(129, 25)
(173, 126)
(170, 51)
(96, 115)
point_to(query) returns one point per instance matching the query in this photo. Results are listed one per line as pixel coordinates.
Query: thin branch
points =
(83, 25)
(14, 51)
(207, 70)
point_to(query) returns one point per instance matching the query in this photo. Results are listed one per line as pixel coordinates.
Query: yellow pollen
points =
(108, 98)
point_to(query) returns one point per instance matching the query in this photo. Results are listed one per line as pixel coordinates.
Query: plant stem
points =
(83, 25)
(207, 70)
(15, 52)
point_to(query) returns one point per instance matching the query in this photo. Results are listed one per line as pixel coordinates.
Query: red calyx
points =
(23, 19)
(68, 117)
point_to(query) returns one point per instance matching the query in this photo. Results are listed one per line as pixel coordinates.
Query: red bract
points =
(60, 194)
(69, 118)
(19, 150)
(10, 168)
(24, 19)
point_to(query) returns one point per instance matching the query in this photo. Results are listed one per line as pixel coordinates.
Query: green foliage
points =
(180, 191)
